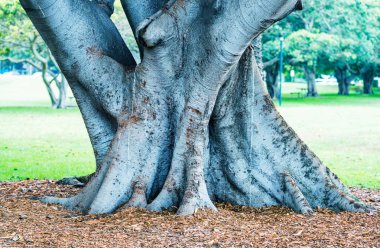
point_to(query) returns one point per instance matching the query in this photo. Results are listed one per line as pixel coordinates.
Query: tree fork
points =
(189, 125)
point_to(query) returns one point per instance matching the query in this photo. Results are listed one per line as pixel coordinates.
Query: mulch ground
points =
(27, 223)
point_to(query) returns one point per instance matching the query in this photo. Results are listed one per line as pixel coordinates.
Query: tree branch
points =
(94, 59)
(36, 53)
(14, 60)
(137, 11)
(94, 50)
(19, 44)
(107, 5)
(271, 62)
(352, 70)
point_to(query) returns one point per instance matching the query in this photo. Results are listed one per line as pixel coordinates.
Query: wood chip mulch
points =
(27, 223)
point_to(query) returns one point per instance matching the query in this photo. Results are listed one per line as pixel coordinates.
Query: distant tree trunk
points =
(190, 125)
(271, 76)
(368, 75)
(62, 95)
(48, 85)
(271, 69)
(49, 78)
(310, 79)
(271, 83)
(343, 77)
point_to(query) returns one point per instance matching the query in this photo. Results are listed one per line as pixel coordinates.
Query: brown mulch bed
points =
(27, 223)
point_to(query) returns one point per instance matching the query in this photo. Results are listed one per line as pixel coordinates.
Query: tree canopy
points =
(332, 37)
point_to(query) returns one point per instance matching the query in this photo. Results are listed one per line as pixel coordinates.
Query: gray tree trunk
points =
(271, 78)
(190, 125)
(62, 95)
(368, 75)
(344, 78)
(310, 79)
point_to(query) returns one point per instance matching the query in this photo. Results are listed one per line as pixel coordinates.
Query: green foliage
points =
(329, 34)
(122, 25)
(305, 47)
(16, 31)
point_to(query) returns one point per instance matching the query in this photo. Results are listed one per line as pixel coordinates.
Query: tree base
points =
(190, 125)
(266, 165)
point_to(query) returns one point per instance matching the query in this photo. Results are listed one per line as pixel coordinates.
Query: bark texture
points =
(190, 125)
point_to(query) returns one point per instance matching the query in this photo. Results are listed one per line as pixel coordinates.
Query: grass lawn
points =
(38, 142)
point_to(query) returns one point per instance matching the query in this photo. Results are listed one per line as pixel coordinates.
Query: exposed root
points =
(76, 181)
(168, 198)
(338, 200)
(72, 181)
(258, 160)
(294, 198)
(51, 200)
(138, 198)
(194, 198)
(191, 203)
(85, 179)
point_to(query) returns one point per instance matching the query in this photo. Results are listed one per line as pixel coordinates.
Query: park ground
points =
(37, 143)
(27, 223)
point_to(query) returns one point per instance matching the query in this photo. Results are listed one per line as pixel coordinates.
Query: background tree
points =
(299, 29)
(271, 66)
(353, 50)
(306, 50)
(20, 43)
(355, 27)
(271, 52)
(191, 124)
(369, 37)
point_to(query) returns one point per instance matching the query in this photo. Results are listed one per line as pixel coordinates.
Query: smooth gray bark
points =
(192, 123)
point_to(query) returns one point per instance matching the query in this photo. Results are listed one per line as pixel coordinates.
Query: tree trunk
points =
(310, 79)
(368, 75)
(271, 79)
(192, 124)
(344, 79)
(47, 82)
(62, 87)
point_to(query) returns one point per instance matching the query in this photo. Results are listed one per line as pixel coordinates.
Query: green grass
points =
(327, 96)
(38, 142)
(346, 138)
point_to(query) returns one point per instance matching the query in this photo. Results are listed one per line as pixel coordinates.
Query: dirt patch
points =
(27, 223)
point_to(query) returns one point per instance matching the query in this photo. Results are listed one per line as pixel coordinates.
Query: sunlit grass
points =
(346, 138)
(38, 142)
